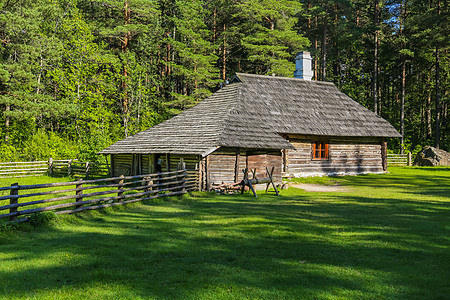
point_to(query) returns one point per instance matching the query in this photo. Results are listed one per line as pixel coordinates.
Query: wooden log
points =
(23, 162)
(245, 171)
(86, 202)
(94, 181)
(27, 169)
(167, 162)
(91, 181)
(69, 168)
(208, 173)
(271, 181)
(50, 166)
(79, 192)
(101, 193)
(63, 205)
(236, 165)
(384, 154)
(13, 192)
(200, 174)
(120, 183)
(249, 183)
(21, 176)
(28, 166)
(27, 172)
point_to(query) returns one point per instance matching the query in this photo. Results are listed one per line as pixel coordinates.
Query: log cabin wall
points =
(347, 155)
(222, 165)
(269, 158)
(137, 164)
(226, 164)
(121, 164)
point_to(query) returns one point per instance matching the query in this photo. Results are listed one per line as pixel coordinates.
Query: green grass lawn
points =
(386, 237)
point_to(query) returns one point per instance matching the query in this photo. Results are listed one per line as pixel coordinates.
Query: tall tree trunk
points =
(402, 107)
(214, 29)
(125, 42)
(316, 61)
(7, 109)
(224, 54)
(428, 109)
(324, 50)
(437, 130)
(195, 83)
(375, 60)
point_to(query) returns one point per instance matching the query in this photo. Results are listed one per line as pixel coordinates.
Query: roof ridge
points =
(282, 77)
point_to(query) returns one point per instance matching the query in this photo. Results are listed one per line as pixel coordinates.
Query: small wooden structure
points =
(299, 127)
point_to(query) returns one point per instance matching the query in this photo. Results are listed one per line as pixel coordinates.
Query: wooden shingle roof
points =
(253, 112)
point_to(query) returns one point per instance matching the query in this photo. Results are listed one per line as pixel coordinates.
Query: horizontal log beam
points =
(23, 162)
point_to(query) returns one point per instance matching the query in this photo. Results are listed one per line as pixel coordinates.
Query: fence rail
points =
(53, 167)
(399, 159)
(117, 191)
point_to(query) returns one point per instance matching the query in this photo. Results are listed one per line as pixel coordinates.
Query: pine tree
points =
(268, 36)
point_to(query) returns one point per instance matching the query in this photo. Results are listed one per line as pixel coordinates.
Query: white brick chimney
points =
(303, 66)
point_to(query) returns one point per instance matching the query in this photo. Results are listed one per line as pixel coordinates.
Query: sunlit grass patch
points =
(387, 238)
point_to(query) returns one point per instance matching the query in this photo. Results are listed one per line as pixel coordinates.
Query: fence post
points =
(87, 169)
(69, 167)
(50, 166)
(79, 193)
(147, 181)
(14, 200)
(183, 178)
(409, 159)
(119, 194)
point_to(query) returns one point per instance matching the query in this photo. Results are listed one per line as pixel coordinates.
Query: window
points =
(320, 150)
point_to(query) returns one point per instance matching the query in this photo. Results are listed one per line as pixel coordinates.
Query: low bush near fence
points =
(71, 197)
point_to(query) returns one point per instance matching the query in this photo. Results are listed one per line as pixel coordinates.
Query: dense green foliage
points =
(385, 238)
(91, 72)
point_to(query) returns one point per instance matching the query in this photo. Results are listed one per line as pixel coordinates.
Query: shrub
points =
(43, 145)
(8, 153)
(42, 218)
(8, 226)
(91, 144)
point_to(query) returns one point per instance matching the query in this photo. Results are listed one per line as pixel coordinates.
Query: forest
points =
(78, 75)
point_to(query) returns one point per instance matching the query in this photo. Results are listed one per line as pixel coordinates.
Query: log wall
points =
(121, 164)
(223, 164)
(226, 164)
(137, 164)
(346, 156)
(259, 160)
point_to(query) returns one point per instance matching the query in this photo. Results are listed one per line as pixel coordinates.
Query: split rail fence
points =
(399, 159)
(53, 167)
(71, 197)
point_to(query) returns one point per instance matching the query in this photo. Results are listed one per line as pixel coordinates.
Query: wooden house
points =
(300, 127)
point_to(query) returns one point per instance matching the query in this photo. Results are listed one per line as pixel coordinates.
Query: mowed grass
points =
(387, 237)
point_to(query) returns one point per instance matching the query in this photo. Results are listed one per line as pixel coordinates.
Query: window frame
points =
(323, 151)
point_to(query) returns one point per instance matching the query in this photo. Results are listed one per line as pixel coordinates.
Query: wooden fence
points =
(102, 193)
(399, 159)
(53, 167)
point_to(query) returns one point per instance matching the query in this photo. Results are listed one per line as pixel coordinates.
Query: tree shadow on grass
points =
(286, 247)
